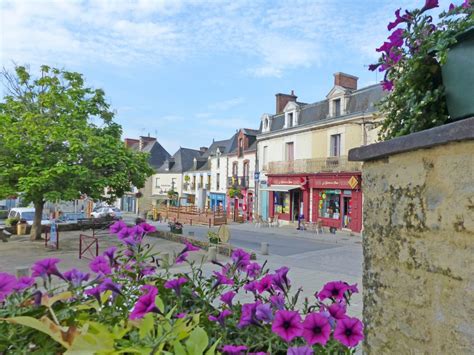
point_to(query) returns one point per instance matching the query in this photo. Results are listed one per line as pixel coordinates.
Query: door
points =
(356, 211)
(264, 205)
(346, 212)
(250, 207)
(295, 204)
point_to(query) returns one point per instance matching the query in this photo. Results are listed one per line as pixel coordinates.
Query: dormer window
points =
(337, 107)
(266, 122)
(291, 114)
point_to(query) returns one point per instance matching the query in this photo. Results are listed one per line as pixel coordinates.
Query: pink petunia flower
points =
(430, 4)
(7, 285)
(220, 318)
(117, 227)
(176, 284)
(222, 279)
(334, 290)
(265, 284)
(280, 278)
(316, 329)
(287, 325)
(147, 228)
(337, 310)
(248, 314)
(349, 331)
(278, 301)
(24, 282)
(181, 258)
(241, 259)
(253, 270)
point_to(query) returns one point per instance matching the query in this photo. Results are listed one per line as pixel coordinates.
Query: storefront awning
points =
(281, 188)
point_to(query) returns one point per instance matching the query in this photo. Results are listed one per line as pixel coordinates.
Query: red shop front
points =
(240, 208)
(337, 200)
(288, 197)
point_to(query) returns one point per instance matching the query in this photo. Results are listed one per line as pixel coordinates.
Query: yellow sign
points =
(353, 182)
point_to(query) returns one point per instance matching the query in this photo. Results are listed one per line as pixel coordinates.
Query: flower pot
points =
(458, 76)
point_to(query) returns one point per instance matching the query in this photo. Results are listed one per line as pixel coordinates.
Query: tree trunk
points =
(36, 227)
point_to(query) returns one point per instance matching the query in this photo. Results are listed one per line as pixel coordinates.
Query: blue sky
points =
(191, 71)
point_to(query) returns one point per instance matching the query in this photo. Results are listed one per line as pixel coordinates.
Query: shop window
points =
(335, 145)
(282, 202)
(329, 204)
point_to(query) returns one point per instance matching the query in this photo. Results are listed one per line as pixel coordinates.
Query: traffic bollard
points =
(264, 248)
(212, 254)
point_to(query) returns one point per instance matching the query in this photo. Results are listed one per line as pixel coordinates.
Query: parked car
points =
(107, 211)
(27, 214)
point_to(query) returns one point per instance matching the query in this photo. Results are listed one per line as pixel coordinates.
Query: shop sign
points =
(347, 192)
(337, 182)
(256, 175)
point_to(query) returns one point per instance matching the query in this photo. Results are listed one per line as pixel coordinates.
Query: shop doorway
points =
(346, 212)
(295, 204)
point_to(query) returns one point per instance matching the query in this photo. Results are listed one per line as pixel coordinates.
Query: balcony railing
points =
(299, 166)
(238, 181)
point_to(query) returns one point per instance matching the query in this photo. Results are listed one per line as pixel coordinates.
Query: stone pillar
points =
(418, 242)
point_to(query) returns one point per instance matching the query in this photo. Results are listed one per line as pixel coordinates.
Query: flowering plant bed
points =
(412, 58)
(129, 303)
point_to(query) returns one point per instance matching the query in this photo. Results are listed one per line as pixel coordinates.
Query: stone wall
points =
(418, 242)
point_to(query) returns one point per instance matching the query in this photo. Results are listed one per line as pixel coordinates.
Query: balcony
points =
(307, 166)
(238, 182)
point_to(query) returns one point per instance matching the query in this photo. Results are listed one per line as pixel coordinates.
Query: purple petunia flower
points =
(23, 283)
(373, 67)
(300, 350)
(76, 277)
(145, 303)
(248, 315)
(108, 284)
(7, 284)
(147, 228)
(251, 286)
(398, 19)
(110, 253)
(349, 331)
(253, 270)
(124, 233)
(222, 279)
(181, 258)
(278, 301)
(353, 288)
(117, 227)
(396, 38)
(466, 4)
(287, 325)
(228, 297)
(265, 284)
(333, 289)
(46, 267)
(264, 313)
(190, 247)
(316, 329)
(94, 292)
(337, 310)
(241, 259)
(385, 47)
(181, 315)
(387, 85)
(452, 7)
(220, 317)
(137, 231)
(234, 349)
(100, 265)
(280, 278)
(430, 4)
(176, 284)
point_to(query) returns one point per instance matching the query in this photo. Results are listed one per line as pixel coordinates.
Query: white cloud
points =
(227, 104)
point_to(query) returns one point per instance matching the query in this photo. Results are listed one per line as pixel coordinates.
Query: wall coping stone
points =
(457, 131)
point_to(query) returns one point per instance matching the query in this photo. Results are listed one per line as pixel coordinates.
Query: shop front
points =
(240, 208)
(218, 201)
(288, 197)
(337, 200)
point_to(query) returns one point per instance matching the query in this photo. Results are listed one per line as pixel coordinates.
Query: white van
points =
(27, 214)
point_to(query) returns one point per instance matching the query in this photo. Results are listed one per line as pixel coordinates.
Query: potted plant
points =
(176, 227)
(213, 237)
(235, 192)
(138, 194)
(412, 59)
(12, 222)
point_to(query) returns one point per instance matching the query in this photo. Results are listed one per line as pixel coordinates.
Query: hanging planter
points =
(138, 194)
(458, 76)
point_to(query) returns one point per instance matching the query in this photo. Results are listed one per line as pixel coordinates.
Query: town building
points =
(302, 155)
(241, 162)
(140, 200)
(170, 177)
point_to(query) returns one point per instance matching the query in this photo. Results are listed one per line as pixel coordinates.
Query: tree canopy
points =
(58, 140)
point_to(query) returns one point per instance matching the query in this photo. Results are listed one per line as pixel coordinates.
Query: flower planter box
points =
(176, 230)
(458, 77)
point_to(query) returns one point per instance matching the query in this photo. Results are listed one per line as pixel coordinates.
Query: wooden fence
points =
(191, 215)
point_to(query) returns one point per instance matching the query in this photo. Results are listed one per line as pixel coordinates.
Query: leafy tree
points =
(58, 141)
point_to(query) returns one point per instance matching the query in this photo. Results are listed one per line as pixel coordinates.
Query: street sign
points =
(257, 175)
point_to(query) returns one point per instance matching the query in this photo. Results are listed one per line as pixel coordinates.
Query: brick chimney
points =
(130, 141)
(345, 80)
(144, 140)
(283, 99)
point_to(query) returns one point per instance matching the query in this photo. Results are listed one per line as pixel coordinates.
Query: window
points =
(337, 107)
(157, 182)
(290, 120)
(235, 169)
(241, 147)
(329, 204)
(265, 157)
(289, 153)
(218, 161)
(246, 169)
(281, 202)
(218, 181)
(335, 145)
(173, 183)
(208, 187)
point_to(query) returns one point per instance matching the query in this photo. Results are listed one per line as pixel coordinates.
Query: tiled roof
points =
(181, 161)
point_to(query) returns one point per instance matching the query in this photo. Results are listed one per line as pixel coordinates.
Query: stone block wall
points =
(418, 243)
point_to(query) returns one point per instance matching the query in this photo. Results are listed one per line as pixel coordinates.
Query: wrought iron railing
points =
(330, 164)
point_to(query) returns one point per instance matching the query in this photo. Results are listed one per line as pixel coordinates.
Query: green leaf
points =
(197, 341)
(212, 349)
(178, 348)
(146, 325)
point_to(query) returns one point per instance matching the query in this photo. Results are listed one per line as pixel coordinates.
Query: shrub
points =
(126, 305)
(12, 222)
